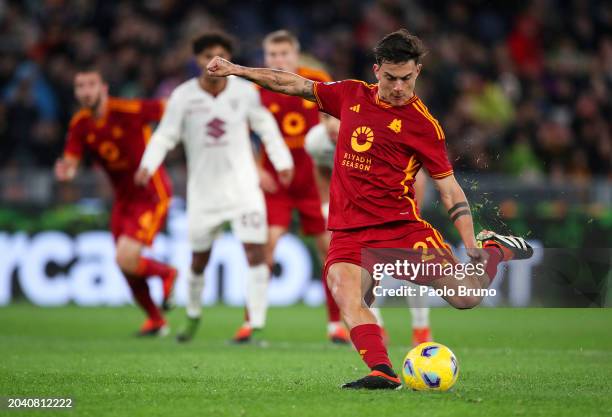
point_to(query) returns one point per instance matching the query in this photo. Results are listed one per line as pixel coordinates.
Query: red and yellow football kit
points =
(379, 151)
(295, 117)
(117, 141)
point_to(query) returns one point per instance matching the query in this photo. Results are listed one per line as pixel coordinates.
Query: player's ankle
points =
(492, 246)
(385, 369)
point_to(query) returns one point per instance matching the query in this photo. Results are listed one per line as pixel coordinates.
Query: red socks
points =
(333, 311)
(495, 257)
(368, 341)
(140, 291)
(148, 267)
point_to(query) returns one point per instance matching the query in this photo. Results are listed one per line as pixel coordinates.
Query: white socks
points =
(195, 286)
(420, 317)
(419, 310)
(257, 295)
(332, 326)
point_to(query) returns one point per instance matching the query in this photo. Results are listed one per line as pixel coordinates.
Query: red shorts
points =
(413, 241)
(142, 213)
(302, 195)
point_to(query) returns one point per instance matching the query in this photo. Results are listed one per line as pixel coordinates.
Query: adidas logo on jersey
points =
(355, 108)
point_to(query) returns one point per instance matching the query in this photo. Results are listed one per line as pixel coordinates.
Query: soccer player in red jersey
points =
(115, 131)
(295, 117)
(321, 144)
(386, 135)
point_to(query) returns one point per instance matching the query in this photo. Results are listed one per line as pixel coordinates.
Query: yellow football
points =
(430, 367)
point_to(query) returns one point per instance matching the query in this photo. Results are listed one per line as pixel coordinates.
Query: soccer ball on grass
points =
(430, 367)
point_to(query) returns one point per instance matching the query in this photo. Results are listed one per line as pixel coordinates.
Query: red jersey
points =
(295, 116)
(379, 151)
(117, 141)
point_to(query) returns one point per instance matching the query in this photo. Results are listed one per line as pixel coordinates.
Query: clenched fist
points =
(219, 67)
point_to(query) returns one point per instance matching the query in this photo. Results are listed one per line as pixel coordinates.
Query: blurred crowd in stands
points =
(520, 90)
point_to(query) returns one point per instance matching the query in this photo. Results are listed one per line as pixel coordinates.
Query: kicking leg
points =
(495, 249)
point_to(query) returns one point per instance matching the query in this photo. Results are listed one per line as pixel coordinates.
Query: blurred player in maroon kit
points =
(295, 117)
(386, 135)
(115, 131)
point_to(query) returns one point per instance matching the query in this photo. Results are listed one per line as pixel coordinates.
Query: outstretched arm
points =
(165, 138)
(275, 80)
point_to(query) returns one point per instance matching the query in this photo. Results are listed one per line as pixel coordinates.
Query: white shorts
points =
(248, 221)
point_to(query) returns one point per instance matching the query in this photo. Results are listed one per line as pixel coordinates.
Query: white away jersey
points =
(215, 132)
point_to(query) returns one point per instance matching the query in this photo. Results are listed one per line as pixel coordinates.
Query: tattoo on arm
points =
(281, 82)
(457, 206)
(308, 90)
(460, 213)
(458, 210)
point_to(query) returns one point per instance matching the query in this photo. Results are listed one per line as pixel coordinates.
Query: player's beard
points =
(95, 106)
(397, 100)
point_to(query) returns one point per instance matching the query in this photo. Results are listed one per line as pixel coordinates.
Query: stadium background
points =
(523, 95)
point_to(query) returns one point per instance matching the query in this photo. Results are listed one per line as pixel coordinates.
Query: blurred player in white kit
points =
(212, 116)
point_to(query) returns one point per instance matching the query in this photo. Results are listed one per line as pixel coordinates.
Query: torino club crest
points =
(215, 128)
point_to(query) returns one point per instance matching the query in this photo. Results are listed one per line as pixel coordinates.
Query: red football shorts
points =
(412, 241)
(302, 195)
(140, 219)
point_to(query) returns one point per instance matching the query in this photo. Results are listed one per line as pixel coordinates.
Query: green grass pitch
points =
(513, 362)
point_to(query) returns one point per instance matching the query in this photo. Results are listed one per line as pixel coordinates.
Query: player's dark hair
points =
(399, 46)
(282, 36)
(86, 67)
(210, 39)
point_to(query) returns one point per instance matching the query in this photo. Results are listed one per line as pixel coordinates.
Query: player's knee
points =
(339, 288)
(127, 260)
(465, 302)
(333, 282)
(198, 262)
(197, 266)
(256, 254)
